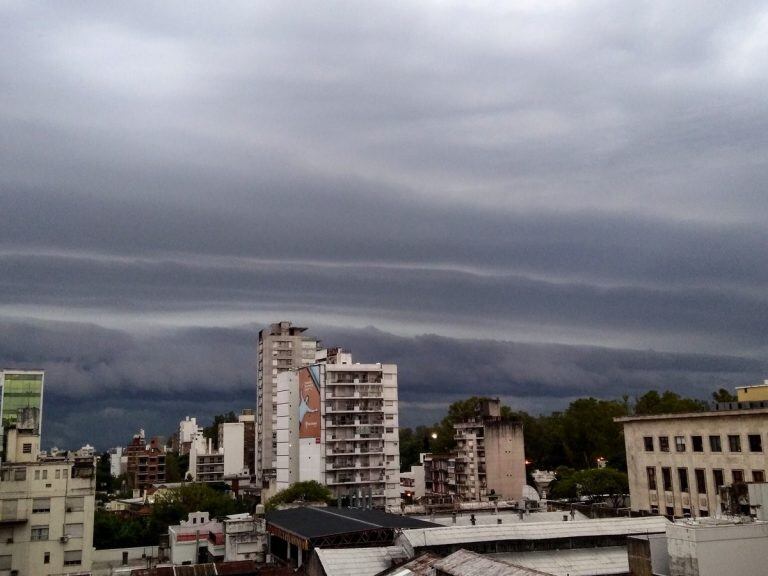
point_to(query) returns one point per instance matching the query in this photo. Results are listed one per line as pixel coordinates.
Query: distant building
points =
(248, 418)
(188, 432)
(440, 477)
(412, 486)
(677, 463)
(145, 462)
(20, 389)
(281, 347)
(757, 393)
(196, 540)
(118, 461)
(337, 423)
(206, 463)
(46, 506)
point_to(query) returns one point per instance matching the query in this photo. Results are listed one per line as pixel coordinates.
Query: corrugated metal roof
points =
(578, 562)
(466, 563)
(419, 566)
(359, 561)
(419, 538)
(488, 517)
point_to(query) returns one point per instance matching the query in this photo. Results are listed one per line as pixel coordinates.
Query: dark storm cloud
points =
(113, 382)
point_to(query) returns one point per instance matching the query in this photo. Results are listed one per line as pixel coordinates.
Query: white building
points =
(232, 443)
(46, 508)
(189, 432)
(412, 486)
(118, 461)
(245, 537)
(196, 540)
(338, 424)
(281, 347)
(206, 463)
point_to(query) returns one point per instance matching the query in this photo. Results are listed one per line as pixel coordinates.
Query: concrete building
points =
(245, 537)
(282, 347)
(440, 477)
(412, 486)
(758, 393)
(20, 389)
(189, 431)
(46, 507)
(145, 462)
(196, 540)
(232, 443)
(677, 462)
(118, 461)
(337, 423)
(206, 463)
(248, 418)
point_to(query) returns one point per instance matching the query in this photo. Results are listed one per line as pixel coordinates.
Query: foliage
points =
(724, 395)
(310, 491)
(104, 480)
(174, 505)
(113, 531)
(592, 482)
(667, 403)
(212, 431)
(176, 466)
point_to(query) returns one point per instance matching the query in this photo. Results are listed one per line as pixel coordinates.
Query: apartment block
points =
(46, 507)
(338, 424)
(678, 462)
(189, 430)
(145, 463)
(282, 347)
(20, 389)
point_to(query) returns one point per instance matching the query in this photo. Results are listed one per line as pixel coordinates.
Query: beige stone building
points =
(677, 462)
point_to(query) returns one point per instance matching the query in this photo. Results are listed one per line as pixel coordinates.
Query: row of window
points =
(754, 441)
(71, 558)
(73, 504)
(700, 477)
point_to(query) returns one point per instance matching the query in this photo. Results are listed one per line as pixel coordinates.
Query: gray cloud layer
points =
(585, 174)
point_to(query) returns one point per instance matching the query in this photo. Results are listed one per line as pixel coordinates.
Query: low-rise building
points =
(677, 463)
(196, 540)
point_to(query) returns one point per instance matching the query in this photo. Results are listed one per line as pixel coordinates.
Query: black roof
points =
(312, 522)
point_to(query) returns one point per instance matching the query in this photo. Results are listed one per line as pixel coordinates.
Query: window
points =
(680, 443)
(26, 448)
(682, 478)
(74, 530)
(697, 442)
(670, 511)
(701, 481)
(755, 443)
(40, 505)
(19, 474)
(45, 474)
(73, 557)
(651, 473)
(58, 474)
(666, 478)
(39, 533)
(719, 478)
(734, 443)
(5, 562)
(738, 476)
(758, 476)
(664, 443)
(47, 558)
(75, 503)
(390, 430)
(715, 444)
(648, 441)
(37, 474)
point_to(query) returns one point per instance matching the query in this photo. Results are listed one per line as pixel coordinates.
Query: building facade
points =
(677, 462)
(145, 463)
(338, 424)
(20, 389)
(46, 509)
(282, 347)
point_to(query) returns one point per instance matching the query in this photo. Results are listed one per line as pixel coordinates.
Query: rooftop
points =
(708, 414)
(578, 562)
(312, 522)
(359, 561)
(466, 563)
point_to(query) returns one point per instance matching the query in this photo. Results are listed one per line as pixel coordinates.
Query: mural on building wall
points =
(309, 406)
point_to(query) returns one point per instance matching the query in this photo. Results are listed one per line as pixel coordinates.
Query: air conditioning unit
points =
(64, 539)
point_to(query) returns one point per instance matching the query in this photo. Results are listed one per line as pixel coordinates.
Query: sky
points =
(532, 200)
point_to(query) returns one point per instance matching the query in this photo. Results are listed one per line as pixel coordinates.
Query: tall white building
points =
(338, 423)
(189, 432)
(46, 507)
(282, 347)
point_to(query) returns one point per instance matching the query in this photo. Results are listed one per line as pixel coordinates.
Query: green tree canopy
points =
(668, 403)
(592, 482)
(724, 395)
(175, 504)
(309, 491)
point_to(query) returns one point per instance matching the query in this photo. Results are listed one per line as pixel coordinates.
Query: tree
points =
(589, 432)
(724, 395)
(667, 403)
(104, 480)
(174, 505)
(606, 482)
(113, 531)
(176, 466)
(309, 491)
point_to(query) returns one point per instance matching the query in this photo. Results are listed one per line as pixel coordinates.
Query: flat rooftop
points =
(684, 415)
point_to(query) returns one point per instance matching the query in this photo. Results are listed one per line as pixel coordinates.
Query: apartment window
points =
(755, 443)
(697, 443)
(734, 443)
(390, 430)
(701, 481)
(738, 476)
(19, 474)
(45, 474)
(651, 473)
(75, 503)
(670, 511)
(73, 557)
(26, 448)
(682, 479)
(664, 443)
(47, 558)
(39, 533)
(719, 478)
(714, 444)
(666, 478)
(37, 474)
(680, 443)
(648, 441)
(58, 474)
(5, 562)
(74, 530)
(41, 505)
(758, 476)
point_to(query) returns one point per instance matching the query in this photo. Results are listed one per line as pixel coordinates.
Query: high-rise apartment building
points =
(20, 389)
(281, 347)
(337, 423)
(145, 462)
